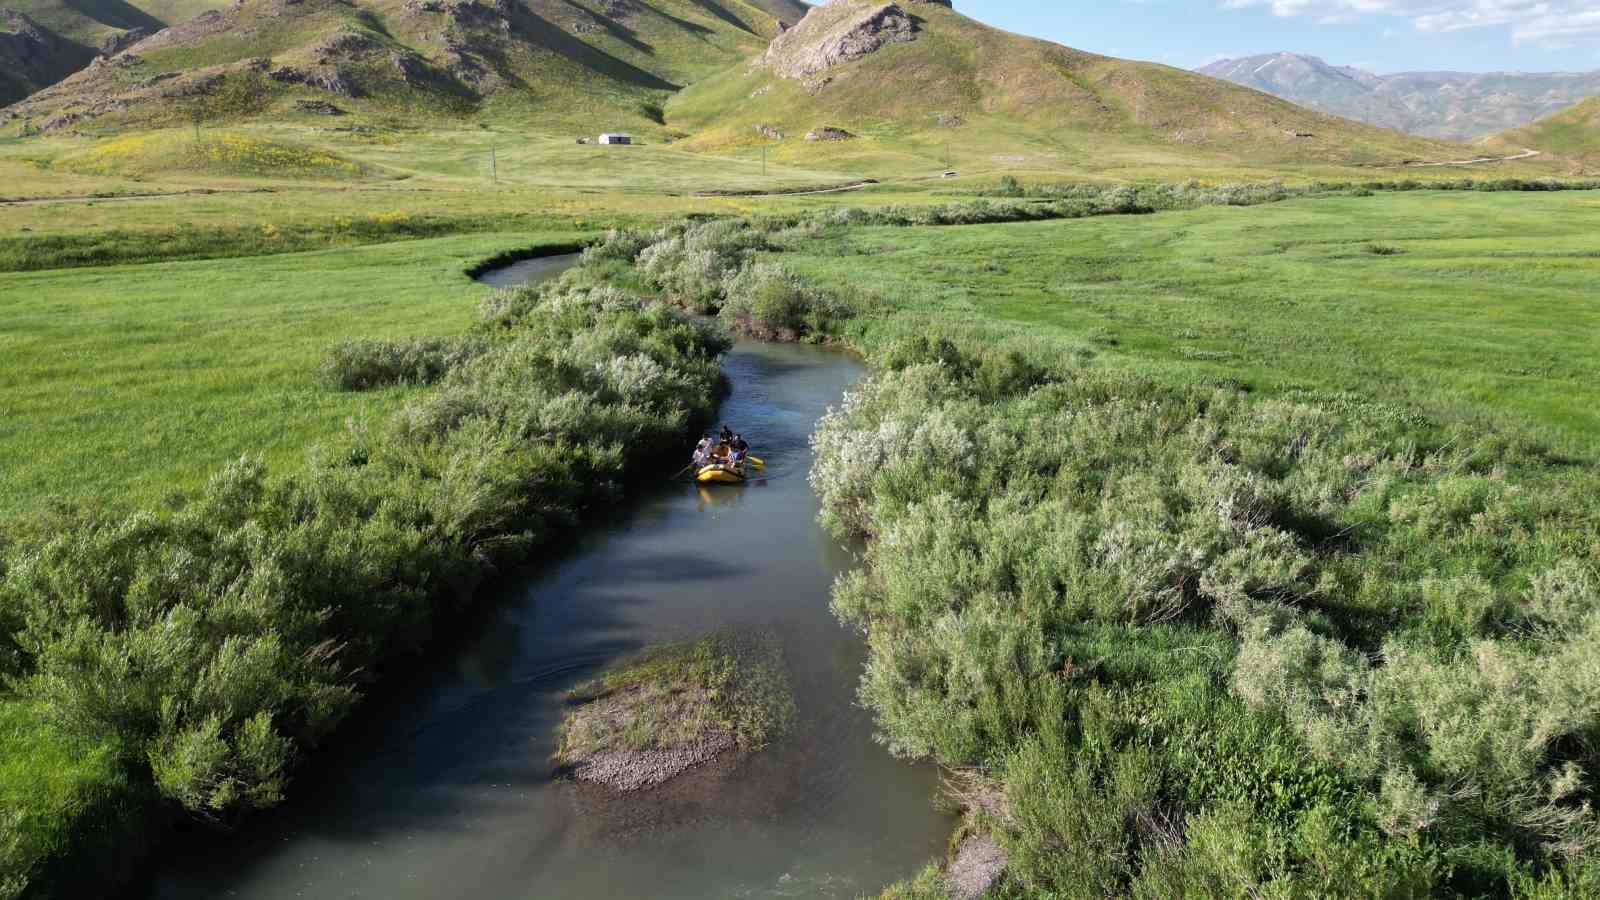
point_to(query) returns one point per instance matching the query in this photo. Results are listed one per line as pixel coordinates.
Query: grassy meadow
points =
(128, 382)
(1227, 502)
(1459, 306)
(1148, 497)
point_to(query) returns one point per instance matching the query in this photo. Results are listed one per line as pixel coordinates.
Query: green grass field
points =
(1459, 305)
(138, 379)
(130, 381)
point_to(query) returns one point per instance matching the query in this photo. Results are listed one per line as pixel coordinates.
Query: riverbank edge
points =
(478, 269)
(115, 835)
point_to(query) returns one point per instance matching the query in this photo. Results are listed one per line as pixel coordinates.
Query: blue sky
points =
(1380, 35)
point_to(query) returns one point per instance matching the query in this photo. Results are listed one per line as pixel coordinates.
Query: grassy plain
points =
(130, 381)
(1464, 306)
(135, 380)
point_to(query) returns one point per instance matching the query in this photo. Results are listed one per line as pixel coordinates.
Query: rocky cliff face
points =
(842, 31)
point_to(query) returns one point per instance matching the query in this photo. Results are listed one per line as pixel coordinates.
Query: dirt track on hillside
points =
(1526, 153)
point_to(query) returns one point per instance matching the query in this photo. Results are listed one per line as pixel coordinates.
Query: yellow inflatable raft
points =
(721, 473)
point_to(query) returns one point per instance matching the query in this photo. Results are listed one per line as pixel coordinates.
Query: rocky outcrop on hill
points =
(840, 32)
(317, 108)
(829, 133)
(325, 78)
(206, 25)
(116, 43)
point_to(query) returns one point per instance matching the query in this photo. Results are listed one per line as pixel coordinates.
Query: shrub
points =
(691, 264)
(1212, 640)
(769, 302)
(364, 364)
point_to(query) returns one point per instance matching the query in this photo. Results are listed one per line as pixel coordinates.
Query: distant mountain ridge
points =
(1446, 105)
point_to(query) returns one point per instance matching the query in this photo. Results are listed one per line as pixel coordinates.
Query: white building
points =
(616, 138)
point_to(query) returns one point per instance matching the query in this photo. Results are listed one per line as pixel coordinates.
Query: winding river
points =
(444, 788)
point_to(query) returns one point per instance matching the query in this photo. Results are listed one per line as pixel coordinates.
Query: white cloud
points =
(1538, 21)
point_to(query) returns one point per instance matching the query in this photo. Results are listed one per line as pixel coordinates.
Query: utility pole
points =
(494, 167)
(763, 160)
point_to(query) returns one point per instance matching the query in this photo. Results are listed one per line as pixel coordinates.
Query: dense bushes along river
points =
(193, 652)
(1182, 640)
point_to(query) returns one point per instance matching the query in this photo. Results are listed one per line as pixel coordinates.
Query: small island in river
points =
(674, 707)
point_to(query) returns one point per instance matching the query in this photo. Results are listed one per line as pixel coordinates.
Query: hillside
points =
(585, 65)
(1446, 105)
(1572, 134)
(33, 56)
(920, 80)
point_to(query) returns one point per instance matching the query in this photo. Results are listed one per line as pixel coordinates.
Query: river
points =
(444, 789)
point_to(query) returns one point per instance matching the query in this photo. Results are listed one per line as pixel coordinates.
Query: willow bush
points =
(1209, 643)
(363, 364)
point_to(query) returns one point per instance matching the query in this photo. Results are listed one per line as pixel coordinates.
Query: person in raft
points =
(704, 450)
(738, 449)
(727, 435)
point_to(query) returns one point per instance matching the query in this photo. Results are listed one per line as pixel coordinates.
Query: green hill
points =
(885, 89)
(92, 21)
(1572, 134)
(33, 56)
(584, 65)
(919, 81)
(76, 30)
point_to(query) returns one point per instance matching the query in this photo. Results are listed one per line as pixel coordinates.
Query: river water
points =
(444, 789)
(536, 269)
